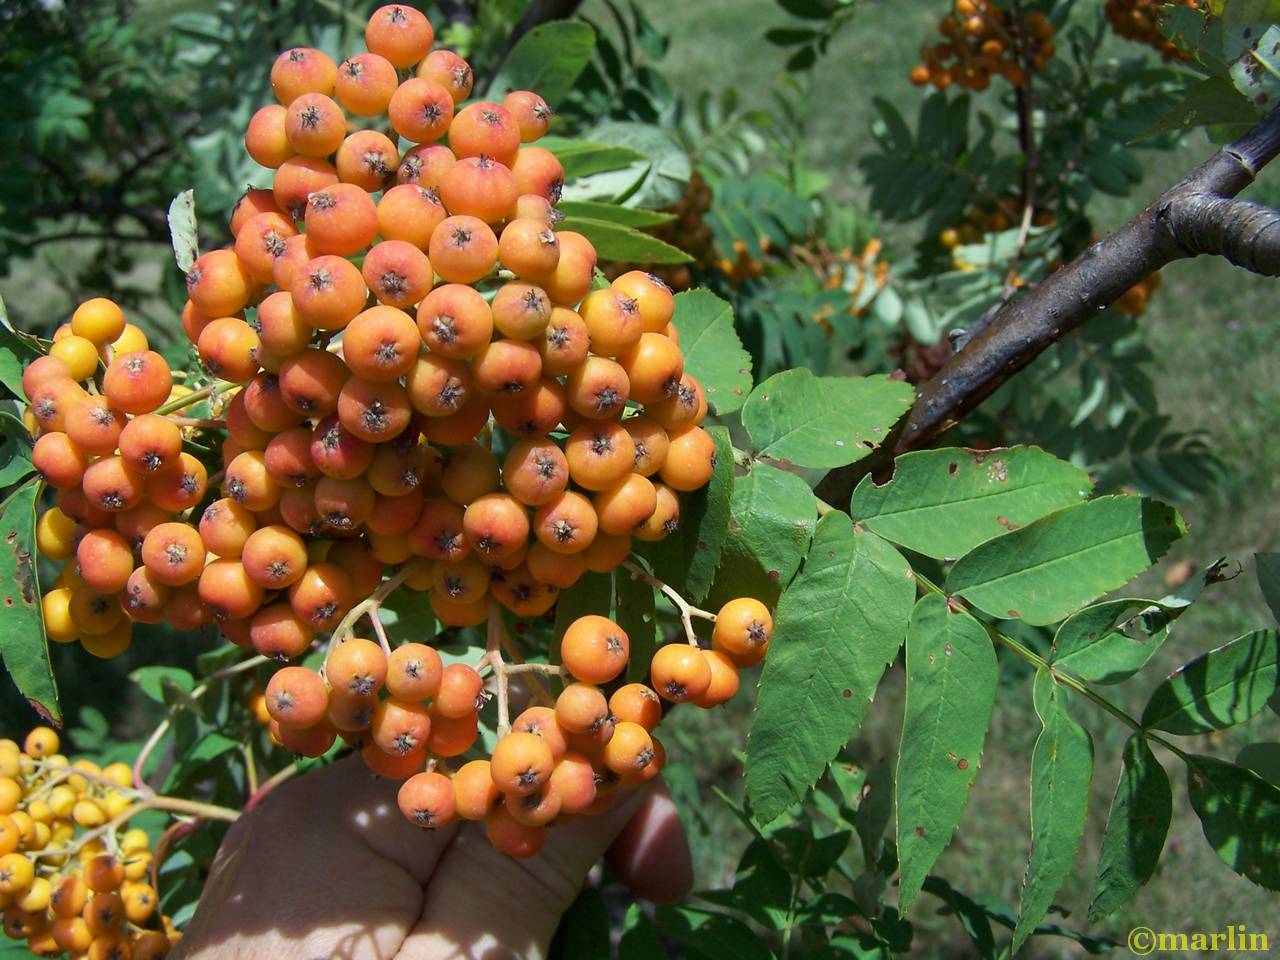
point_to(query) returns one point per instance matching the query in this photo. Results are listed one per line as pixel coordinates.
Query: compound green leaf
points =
(713, 354)
(1136, 829)
(822, 422)
(548, 59)
(1218, 689)
(951, 691)
(1054, 566)
(837, 627)
(23, 645)
(1061, 771)
(1111, 641)
(688, 558)
(1240, 815)
(943, 503)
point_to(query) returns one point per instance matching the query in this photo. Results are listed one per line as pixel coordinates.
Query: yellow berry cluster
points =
(75, 879)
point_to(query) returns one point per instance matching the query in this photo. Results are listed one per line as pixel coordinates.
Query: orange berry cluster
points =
(982, 41)
(382, 323)
(1139, 20)
(73, 877)
(559, 759)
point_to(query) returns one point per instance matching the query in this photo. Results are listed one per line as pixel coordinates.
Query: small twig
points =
(550, 669)
(250, 768)
(369, 605)
(277, 778)
(178, 805)
(687, 610)
(493, 653)
(198, 422)
(540, 692)
(181, 403)
(375, 617)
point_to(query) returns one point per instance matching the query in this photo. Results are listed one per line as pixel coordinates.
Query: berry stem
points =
(687, 610)
(273, 781)
(494, 634)
(369, 605)
(155, 801)
(540, 692)
(181, 403)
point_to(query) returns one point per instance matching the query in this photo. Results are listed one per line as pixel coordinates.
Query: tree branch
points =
(1196, 216)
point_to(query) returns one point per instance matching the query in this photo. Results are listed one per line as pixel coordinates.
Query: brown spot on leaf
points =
(952, 469)
(1013, 614)
(846, 693)
(919, 831)
(963, 764)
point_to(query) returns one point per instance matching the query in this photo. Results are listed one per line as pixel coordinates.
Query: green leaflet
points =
(688, 558)
(581, 158)
(1111, 641)
(943, 503)
(951, 691)
(1268, 569)
(1136, 829)
(22, 641)
(16, 351)
(822, 422)
(547, 59)
(614, 241)
(1051, 568)
(612, 213)
(1218, 689)
(837, 627)
(713, 354)
(1061, 771)
(1240, 815)
(772, 514)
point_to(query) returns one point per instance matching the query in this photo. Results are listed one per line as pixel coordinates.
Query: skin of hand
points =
(326, 867)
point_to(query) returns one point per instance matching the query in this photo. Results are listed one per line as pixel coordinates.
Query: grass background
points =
(1214, 334)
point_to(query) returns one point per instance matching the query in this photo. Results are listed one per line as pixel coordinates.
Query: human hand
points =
(327, 867)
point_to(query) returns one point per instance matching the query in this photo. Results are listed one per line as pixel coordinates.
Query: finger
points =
(651, 854)
(325, 866)
(482, 903)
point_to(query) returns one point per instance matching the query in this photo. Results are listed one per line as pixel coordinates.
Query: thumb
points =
(482, 903)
